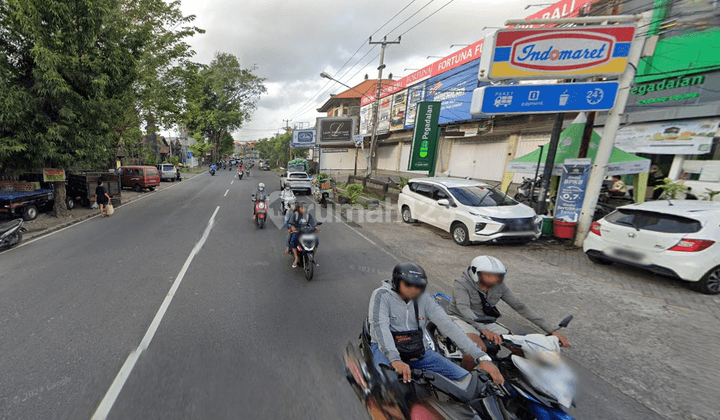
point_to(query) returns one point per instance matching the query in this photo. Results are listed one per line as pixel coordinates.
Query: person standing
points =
(102, 198)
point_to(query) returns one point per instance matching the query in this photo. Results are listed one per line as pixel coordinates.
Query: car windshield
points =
(481, 196)
(654, 222)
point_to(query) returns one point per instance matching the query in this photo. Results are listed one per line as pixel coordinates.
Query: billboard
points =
(335, 131)
(397, 116)
(682, 137)
(415, 94)
(384, 115)
(561, 9)
(454, 90)
(366, 114)
(555, 53)
(303, 138)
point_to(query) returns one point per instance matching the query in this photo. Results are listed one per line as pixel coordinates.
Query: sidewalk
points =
(47, 223)
(649, 336)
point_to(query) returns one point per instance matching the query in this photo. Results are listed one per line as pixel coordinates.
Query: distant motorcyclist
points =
(259, 195)
(301, 221)
(213, 167)
(286, 195)
(476, 293)
(398, 314)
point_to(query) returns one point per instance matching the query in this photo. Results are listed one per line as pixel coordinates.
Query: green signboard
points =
(425, 137)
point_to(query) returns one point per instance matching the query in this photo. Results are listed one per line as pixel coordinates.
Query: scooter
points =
(240, 172)
(306, 243)
(287, 202)
(540, 382)
(178, 176)
(427, 396)
(11, 233)
(260, 211)
(212, 172)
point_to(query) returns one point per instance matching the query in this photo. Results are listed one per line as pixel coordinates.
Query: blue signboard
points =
(303, 138)
(571, 191)
(454, 89)
(538, 99)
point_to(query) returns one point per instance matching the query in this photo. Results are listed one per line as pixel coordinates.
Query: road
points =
(229, 329)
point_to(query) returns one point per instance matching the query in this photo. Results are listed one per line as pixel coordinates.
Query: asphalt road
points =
(245, 336)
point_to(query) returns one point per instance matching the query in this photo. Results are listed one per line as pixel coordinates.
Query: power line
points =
(411, 16)
(431, 14)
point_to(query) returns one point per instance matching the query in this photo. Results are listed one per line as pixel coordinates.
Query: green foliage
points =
(277, 149)
(150, 158)
(671, 189)
(322, 175)
(353, 191)
(710, 194)
(403, 182)
(227, 145)
(175, 160)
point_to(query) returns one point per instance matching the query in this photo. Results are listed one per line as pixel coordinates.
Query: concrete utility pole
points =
(599, 168)
(373, 141)
(287, 125)
(541, 206)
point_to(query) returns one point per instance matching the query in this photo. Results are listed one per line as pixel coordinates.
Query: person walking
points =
(102, 198)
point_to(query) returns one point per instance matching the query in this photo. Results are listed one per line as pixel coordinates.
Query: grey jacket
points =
(467, 305)
(388, 313)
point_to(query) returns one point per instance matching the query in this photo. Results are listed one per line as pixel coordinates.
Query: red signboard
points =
(561, 9)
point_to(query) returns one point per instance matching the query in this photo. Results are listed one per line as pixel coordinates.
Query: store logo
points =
(669, 83)
(305, 136)
(561, 51)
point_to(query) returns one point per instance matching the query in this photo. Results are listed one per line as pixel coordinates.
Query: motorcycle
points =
(212, 172)
(306, 244)
(248, 170)
(541, 384)
(428, 395)
(260, 211)
(240, 172)
(11, 233)
(287, 202)
(524, 190)
(178, 176)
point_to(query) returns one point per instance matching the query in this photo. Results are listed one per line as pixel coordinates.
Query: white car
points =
(298, 182)
(672, 238)
(471, 211)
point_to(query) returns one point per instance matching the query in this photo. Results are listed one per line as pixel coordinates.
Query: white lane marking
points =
(109, 399)
(232, 182)
(226, 191)
(89, 218)
(366, 238)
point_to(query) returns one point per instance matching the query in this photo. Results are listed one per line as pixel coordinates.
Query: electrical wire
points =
(428, 17)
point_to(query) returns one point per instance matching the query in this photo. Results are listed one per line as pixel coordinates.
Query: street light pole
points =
(373, 141)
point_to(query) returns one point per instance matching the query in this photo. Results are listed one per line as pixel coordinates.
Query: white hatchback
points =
(471, 211)
(672, 238)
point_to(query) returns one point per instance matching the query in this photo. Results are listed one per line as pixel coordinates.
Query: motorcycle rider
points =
(288, 215)
(301, 220)
(259, 195)
(476, 293)
(286, 195)
(398, 314)
(213, 167)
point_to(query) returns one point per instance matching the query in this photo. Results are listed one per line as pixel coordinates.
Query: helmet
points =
(287, 187)
(409, 273)
(261, 186)
(487, 264)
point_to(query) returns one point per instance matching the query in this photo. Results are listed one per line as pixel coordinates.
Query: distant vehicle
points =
(139, 178)
(671, 238)
(471, 211)
(168, 172)
(298, 182)
(264, 165)
(26, 203)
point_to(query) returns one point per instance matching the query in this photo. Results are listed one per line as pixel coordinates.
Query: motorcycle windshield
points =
(554, 380)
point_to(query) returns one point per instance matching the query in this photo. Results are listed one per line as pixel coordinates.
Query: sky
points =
(292, 42)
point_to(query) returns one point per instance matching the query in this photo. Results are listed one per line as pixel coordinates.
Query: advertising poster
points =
(384, 117)
(335, 131)
(455, 90)
(682, 137)
(425, 136)
(397, 117)
(571, 190)
(415, 95)
(365, 119)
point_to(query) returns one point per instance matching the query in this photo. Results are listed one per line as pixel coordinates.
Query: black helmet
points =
(411, 274)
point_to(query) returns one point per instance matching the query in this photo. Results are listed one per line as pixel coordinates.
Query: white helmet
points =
(287, 187)
(261, 186)
(487, 264)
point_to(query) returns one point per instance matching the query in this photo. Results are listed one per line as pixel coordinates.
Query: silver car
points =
(168, 172)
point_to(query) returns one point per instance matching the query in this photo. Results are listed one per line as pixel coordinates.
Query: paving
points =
(650, 337)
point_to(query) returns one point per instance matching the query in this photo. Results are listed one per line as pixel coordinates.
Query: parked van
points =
(139, 177)
(168, 172)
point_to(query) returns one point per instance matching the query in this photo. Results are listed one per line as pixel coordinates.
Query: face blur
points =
(409, 292)
(301, 209)
(488, 280)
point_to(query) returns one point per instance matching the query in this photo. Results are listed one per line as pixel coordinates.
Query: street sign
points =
(539, 99)
(556, 53)
(303, 138)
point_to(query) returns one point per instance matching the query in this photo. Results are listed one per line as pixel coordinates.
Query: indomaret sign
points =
(553, 53)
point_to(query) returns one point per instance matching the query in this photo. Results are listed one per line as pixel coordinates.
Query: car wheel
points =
(69, 203)
(598, 260)
(30, 213)
(710, 283)
(137, 188)
(406, 215)
(460, 234)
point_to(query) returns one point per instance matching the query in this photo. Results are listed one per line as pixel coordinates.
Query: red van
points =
(139, 177)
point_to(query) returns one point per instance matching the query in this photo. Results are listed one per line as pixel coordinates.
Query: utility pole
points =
(287, 124)
(549, 164)
(373, 141)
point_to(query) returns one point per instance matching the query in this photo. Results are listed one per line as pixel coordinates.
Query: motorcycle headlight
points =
(261, 205)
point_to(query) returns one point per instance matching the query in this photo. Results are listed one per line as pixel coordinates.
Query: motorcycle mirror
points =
(564, 323)
(485, 319)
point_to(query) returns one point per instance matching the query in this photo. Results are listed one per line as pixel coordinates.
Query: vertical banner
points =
(425, 136)
(571, 191)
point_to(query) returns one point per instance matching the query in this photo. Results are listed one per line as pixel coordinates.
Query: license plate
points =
(627, 254)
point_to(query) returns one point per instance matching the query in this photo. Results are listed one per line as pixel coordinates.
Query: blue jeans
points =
(432, 361)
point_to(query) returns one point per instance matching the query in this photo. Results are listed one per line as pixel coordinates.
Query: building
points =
(347, 103)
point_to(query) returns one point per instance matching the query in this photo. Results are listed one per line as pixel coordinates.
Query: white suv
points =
(471, 211)
(672, 238)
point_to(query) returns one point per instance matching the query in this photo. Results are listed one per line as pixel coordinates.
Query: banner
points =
(415, 95)
(683, 137)
(571, 190)
(425, 136)
(397, 117)
(335, 131)
(53, 175)
(454, 90)
(384, 115)
(303, 138)
(561, 9)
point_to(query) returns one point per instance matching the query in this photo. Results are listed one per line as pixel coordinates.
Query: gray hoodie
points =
(388, 313)
(467, 305)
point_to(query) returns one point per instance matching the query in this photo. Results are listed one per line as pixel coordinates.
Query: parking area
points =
(647, 335)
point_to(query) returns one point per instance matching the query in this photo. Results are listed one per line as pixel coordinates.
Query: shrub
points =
(353, 192)
(403, 182)
(671, 189)
(175, 160)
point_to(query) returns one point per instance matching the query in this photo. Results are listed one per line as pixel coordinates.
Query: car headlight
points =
(480, 226)
(480, 216)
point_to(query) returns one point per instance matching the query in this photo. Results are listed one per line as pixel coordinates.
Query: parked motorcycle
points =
(540, 382)
(428, 396)
(306, 243)
(240, 172)
(526, 188)
(178, 176)
(260, 211)
(11, 233)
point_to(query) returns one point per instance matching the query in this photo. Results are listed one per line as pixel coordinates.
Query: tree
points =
(221, 97)
(200, 150)
(277, 149)
(66, 74)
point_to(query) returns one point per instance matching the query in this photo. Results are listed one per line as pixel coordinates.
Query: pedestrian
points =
(102, 198)
(655, 178)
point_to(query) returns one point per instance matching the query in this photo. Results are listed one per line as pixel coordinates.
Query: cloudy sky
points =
(291, 42)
